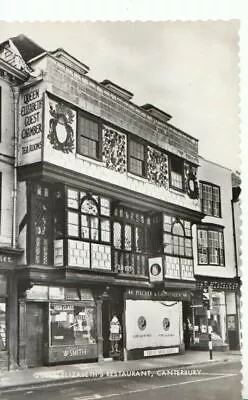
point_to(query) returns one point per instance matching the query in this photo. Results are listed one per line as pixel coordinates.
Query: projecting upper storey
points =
(70, 121)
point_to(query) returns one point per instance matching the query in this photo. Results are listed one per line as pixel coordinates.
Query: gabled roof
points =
(26, 47)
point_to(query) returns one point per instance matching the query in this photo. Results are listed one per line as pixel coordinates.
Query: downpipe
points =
(16, 95)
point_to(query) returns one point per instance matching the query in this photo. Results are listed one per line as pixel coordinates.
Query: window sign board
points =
(31, 125)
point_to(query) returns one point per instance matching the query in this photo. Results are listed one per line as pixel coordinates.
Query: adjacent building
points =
(215, 259)
(110, 219)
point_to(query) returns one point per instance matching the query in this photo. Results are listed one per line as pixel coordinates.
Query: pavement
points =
(66, 374)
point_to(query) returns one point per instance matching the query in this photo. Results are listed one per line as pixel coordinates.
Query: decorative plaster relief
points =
(191, 183)
(157, 167)
(114, 149)
(61, 127)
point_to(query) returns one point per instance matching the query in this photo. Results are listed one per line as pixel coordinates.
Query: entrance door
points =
(35, 334)
(233, 337)
(105, 327)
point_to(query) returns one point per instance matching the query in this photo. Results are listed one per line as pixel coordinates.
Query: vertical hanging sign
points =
(31, 126)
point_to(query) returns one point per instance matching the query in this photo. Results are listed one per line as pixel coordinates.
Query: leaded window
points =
(176, 173)
(41, 224)
(177, 237)
(136, 158)
(88, 137)
(130, 241)
(210, 246)
(88, 216)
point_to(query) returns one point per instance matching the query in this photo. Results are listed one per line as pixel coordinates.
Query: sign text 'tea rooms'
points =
(31, 126)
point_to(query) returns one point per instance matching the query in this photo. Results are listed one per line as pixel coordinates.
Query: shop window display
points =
(2, 325)
(72, 324)
(218, 320)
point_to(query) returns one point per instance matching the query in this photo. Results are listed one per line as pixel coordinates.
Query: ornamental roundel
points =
(142, 323)
(61, 135)
(166, 324)
(191, 184)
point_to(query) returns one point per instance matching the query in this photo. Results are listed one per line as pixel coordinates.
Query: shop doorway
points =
(187, 324)
(109, 309)
(233, 337)
(106, 315)
(35, 334)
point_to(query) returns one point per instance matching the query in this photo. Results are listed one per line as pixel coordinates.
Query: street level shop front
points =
(154, 322)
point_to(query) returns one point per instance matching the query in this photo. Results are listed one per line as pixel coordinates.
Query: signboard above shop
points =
(149, 294)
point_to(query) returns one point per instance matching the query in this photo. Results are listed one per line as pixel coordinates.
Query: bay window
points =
(88, 216)
(177, 237)
(130, 241)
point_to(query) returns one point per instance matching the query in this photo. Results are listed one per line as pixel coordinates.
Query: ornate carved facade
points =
(157, 167)
(114, 149)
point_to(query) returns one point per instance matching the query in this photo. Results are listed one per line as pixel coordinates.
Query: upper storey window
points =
(88, 137)
(210, 199)
(176, 173)
(136, 158)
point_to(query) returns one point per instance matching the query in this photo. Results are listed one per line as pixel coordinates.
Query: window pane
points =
(85, 227)
(139, 239)
(2, 325)
(202, 246)
(88, 128)
(88, 147)
(136, 150)
(181, 246)
(188, 247)
(128, 237)
(167, 223)
(89, 207)
(72, 325)
(117, 235)
(105, 206)
(177, 229)
(136, 166)
(72, 198)
(176, 180)
(73, 224)
(94, 228)
(105, 230)
(175, 245)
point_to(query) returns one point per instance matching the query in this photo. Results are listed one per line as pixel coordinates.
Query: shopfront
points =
(3, 322)
(154, 322)
(224, 317)
(61, 325)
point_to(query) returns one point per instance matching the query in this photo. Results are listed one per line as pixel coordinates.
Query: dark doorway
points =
(106, 315)
(233, 335)
(35, 334)
(187, 324)
(111, 306)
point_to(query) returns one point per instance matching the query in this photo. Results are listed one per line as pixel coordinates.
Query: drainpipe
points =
(16, 93)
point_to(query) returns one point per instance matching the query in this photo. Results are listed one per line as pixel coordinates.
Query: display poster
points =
(153, 323)
(31, 125)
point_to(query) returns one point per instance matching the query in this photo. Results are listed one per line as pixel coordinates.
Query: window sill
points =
(211, 265)
(181, 193)
(138, 177)
(89, 159)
